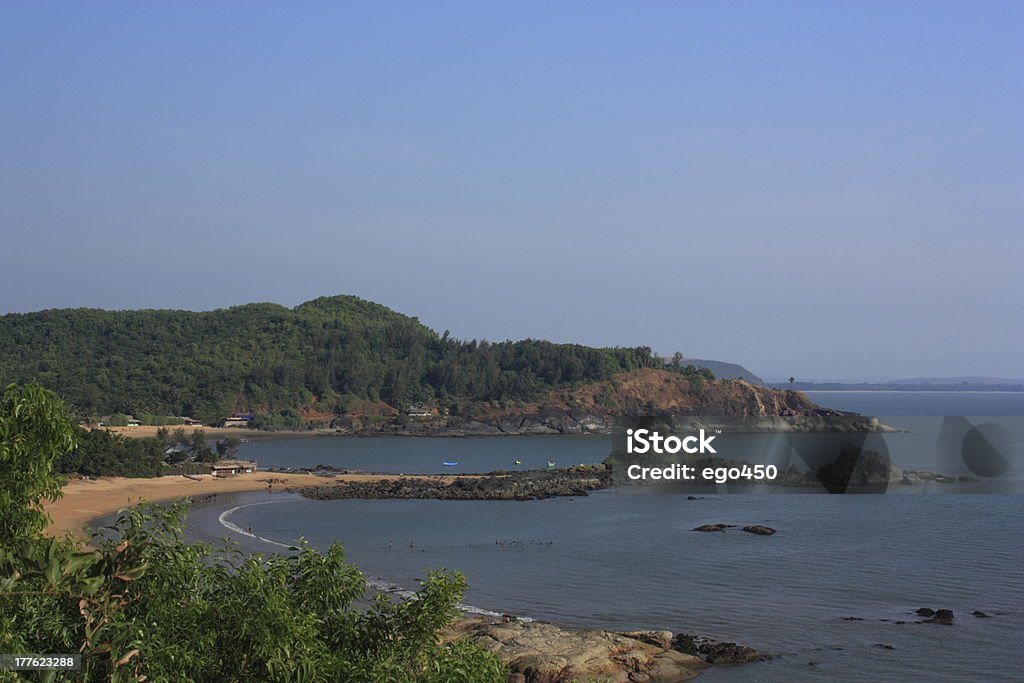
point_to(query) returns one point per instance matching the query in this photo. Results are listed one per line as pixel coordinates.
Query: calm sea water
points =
(627, 559)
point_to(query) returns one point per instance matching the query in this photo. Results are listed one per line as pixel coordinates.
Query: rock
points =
(731, 653)
(925, 612)
(525, 485)
(978, 613)
(942, 616)
(545, 653)
(515, 678)
(759, 530)
(853, 619)
(662, 639)
(884, 646)
(686, 643)
(714, 527)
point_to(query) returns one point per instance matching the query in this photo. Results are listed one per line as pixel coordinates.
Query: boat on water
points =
(519, 462)
(550, 464)
(449, 463)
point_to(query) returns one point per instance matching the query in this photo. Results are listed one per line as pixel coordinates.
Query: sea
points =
(832, 594)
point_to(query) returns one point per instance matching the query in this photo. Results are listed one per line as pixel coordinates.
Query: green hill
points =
(329, 355)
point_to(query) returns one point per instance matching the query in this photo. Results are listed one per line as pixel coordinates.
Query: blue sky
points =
(822, 189)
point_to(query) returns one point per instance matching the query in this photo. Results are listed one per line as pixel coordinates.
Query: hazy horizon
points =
(805, 189)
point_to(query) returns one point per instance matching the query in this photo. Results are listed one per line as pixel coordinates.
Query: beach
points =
(85, 500)
(149, 432)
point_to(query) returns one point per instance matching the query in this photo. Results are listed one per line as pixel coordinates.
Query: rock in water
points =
(942, 616)
(731, 653)
(759, 530)
(925, 612)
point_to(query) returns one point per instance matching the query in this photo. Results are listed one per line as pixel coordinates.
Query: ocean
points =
(825, 593)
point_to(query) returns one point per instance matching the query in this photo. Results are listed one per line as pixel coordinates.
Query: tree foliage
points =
(34, 432)
(332, 353)
(143, 604)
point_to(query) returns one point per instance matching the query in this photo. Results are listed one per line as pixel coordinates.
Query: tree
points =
(792, 379)
(34, 432)
(227, 447)
(143, 604)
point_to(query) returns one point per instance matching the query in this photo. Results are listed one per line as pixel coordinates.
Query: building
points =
(229, 468)
(236, 421)
(418, 411)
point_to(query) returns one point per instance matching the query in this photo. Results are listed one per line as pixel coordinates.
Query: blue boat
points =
(448, 463)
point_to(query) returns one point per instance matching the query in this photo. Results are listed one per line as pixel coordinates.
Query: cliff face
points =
(605, 407)
(660, 392)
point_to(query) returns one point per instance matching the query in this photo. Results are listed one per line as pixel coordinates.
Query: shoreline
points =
(86, 500)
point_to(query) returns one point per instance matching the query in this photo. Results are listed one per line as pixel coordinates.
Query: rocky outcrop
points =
(528, 485)
(717, 653)
(538, 652)
(606, 407)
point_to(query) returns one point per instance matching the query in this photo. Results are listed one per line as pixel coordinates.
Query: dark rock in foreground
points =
(538, 652)
(531, 485)
(717, 653)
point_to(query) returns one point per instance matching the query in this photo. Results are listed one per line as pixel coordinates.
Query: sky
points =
(817, 189)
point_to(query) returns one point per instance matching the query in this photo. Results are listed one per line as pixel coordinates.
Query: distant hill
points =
(336, 355)
(723, 370)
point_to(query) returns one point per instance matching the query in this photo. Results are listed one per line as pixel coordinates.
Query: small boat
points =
(519, 462)
(449, 463)
(550, 464)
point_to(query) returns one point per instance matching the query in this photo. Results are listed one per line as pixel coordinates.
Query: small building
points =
(236, 421)
(133, 422)
(418, 411)
(191, 422)
(229, 468)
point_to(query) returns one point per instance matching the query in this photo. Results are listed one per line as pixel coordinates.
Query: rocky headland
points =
(539, 652)
(609, 406)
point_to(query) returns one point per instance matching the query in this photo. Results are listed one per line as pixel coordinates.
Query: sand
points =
(144, 431)
(84, 500)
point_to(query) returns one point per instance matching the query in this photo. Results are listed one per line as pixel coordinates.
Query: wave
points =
(231, 526)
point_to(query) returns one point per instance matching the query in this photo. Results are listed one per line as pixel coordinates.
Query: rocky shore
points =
(538, 652)
(528, 485)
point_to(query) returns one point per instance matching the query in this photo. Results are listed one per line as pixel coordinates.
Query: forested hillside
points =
(330, 355)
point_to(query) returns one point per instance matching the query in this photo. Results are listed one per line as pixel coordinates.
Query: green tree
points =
(34, 432)
(143, 604)
(227, 447)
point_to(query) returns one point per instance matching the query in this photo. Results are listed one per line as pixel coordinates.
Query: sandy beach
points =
(86, 499)
(145, 431)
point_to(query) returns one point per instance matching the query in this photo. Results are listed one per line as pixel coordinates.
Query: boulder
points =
(759, 530)
(942, 616)
(545, 653)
